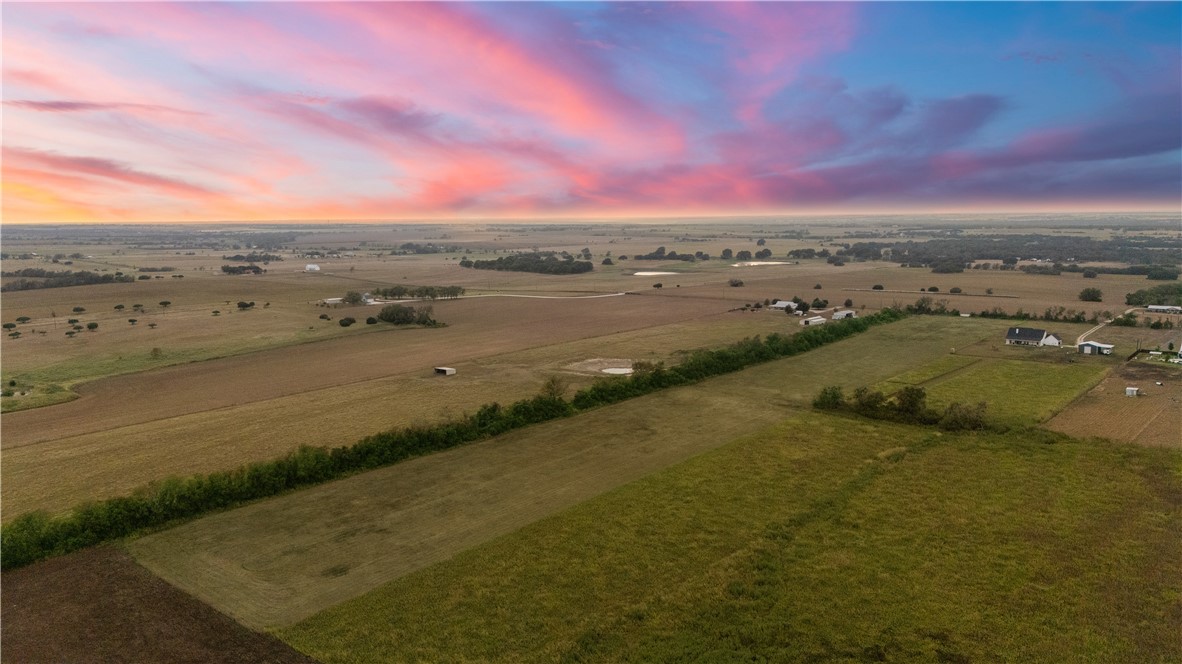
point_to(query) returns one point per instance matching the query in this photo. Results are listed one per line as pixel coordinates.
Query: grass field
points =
(1019, 393)
(818, 539)
(281, 560)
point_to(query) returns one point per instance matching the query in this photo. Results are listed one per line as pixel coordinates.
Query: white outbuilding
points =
(1132, 392)
(783, 305)
(445, 371)
(311, 267)
(844, 313)
(814, 320)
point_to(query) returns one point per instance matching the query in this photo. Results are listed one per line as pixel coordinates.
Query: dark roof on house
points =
(1025, 334)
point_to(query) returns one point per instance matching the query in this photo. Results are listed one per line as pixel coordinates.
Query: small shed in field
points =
(445, 371)
(1132, 392)
(1095, 348)
(844, 313)
(311, 267)
(814, 320)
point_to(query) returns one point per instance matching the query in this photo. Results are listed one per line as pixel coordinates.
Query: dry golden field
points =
(1154, 418)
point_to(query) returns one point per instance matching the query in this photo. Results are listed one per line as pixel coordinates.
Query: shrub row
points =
(908, 405)
(38, 535)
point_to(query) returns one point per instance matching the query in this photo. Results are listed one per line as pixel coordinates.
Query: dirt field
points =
(278, 561)
(98, 605)
(111, 461)
(1155, 418)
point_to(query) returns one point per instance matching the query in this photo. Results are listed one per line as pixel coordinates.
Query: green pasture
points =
(821, 538)
(1018, 393)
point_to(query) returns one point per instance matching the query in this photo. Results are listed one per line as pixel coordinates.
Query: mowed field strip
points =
(278, 561)
(58, 474)
(819, 539)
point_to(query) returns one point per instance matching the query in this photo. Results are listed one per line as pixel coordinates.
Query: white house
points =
(844, 313)
(311, 267)
(815, 320)
(1095, 348)
(1029, 336)
(783, 305)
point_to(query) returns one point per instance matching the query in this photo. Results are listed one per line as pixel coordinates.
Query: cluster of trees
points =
(661, 255)
(157, 269)
(33, 278)
(416, 248)
(400, 315)
(545, 262)
(1091, 295)
(809, 253)
(419, 292)
(963, 250)
(1152, 272)
(908, 405)
(37, 535)
(1165, 294)
(929, 306)
(253, 257)
(242, 269)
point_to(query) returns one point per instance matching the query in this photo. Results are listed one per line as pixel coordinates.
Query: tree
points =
(245, 305)
(140, 307)
(152, 325)
(760, 242)
(989, 291)
(848, 303)
(658, 285)
(830, 398)
(371, 321)
(817, 287)
(606, 261)
(1090, 295)
(911, 401)
(9, 326)
(352, 297)
(727, 254)
(92, 326)
(165, 303)
(743, 255)
(876, 287)
(555, 387)
(955, 289)
(23, 319)
(79, 310)
(347, 321)
(119, 307)
(133, 321)
(1089, 274)
(933, 289)
(735, 283)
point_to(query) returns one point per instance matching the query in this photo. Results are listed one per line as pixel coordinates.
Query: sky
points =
(129, 112)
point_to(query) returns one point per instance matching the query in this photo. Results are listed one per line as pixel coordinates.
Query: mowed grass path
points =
(818, 539)
(279, 561)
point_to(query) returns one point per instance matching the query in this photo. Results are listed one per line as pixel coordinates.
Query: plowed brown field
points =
(98, 605)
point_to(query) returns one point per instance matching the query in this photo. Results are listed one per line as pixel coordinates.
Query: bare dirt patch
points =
(98, 605)
(1154, 418)
(597, 365)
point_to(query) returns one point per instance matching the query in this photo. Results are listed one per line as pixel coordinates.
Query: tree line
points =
(420, 292)
(37, 535)
(538, 262)
(33, 278)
